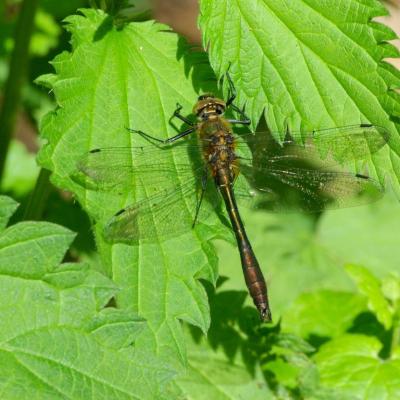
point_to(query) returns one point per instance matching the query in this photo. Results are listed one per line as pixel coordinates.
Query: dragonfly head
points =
(208, 105)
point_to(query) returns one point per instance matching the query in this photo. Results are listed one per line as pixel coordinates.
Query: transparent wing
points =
(335, 145)
(169, 212)
(306, 190)
(171, 190)
(114, 167)
(279, 176)
(293, 177)
(117, 167)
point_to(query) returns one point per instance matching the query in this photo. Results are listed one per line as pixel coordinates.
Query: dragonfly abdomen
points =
(251, 269)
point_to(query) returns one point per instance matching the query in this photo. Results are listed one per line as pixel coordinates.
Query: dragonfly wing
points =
(308, 190)
(335, 145)
(169, 212)
(150, 172)
(117, 167)
(120, 167)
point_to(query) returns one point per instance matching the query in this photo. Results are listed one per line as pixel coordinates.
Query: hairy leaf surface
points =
(114, 78)
(57, 340)
(309, 65)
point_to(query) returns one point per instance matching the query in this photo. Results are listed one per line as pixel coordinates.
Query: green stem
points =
(38, 198)
(16, 76)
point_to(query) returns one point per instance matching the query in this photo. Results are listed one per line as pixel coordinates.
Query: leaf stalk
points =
(17, 73)
(38, 198)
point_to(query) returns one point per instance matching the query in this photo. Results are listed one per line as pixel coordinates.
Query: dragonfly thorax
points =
(209, 107)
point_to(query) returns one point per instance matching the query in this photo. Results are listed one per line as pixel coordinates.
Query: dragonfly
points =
(301, 172)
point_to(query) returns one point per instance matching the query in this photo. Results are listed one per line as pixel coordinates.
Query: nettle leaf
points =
(309, 65)
(369, 285)
(7, 208)
(391, 288)
(351, 363)
(57, 340)
(325, 313)
(132, 76)
(212, 374)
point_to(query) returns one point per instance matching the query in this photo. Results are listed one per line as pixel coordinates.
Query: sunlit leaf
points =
(131, 76)
(308, 64)
(391, 288)
(351, 364)
(7, 208)
(370, 286)
(57, 339)
(323, 313)
(212, 375)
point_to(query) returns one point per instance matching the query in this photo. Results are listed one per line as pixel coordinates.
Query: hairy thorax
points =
(219, 148)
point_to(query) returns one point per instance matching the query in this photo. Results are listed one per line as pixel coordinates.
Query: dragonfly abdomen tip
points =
(265, 315)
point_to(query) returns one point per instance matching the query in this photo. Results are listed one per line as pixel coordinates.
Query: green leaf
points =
(308, 64)
(286, 374)
(371, 287)
(324, 313)
(132, 77)
(57, 340)
(350, 363)
(212, 375)
(18, 253)
(391, 288)
(294, 369)
(7, 208)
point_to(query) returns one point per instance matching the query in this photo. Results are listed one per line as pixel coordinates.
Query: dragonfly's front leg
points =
(166, 141)
(172, 139)
(177, 114)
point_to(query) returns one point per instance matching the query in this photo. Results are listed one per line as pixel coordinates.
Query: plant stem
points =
(38, 198)
(16, 76)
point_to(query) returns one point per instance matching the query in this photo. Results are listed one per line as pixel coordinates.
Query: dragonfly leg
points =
(178, 115)
(245, 121)
(166, 141)
(229, 103)
(204, 180)
(231, 90)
